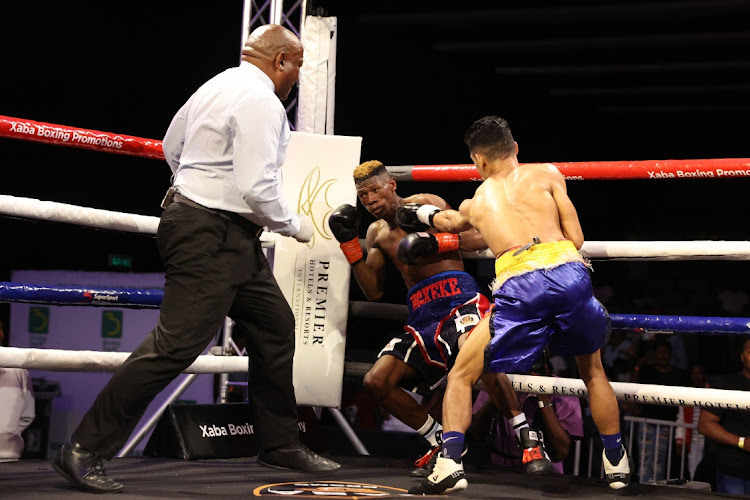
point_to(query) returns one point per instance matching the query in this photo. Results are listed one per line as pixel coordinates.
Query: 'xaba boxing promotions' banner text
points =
(315, 276)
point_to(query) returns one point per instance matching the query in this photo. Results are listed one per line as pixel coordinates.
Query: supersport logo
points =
(99, 297)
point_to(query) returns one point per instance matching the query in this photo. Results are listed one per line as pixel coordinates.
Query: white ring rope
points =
(91, 217)
(95, 361)
(32, 208)
(637, 393)
(654, 250)
(626, 250)
(59, 360)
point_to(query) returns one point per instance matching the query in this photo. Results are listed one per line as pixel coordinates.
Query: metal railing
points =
(638, 428)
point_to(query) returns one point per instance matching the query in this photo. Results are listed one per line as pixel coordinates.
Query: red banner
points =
(49, 133)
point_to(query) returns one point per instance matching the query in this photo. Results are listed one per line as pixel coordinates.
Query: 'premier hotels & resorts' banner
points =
(315, 276)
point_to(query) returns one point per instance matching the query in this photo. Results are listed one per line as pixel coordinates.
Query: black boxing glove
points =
(416, 245)
(414, 217)
(344, 224)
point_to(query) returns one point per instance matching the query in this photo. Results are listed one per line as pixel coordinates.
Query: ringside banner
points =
(315, 276)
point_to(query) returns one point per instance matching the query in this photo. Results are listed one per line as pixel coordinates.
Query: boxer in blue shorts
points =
(443, 300)
(542, 294)
(552, 283)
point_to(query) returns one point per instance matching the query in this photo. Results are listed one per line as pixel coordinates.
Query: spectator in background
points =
(618, 357)
(558, 417)
(559, 366)
(686, 415)
(653, 464)
(734, 300)
(17, 408)
(728, 432)
(679, 351)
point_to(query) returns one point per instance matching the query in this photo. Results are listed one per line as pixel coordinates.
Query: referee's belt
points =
(252, 228)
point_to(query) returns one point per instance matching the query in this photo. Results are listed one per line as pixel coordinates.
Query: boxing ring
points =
(370, 476)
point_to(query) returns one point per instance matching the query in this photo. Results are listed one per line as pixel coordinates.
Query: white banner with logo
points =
(315, 276)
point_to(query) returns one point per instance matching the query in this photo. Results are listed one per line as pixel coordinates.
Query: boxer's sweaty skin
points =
(515, 204)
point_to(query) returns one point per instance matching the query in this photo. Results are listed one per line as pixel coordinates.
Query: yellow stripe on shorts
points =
(539, 256)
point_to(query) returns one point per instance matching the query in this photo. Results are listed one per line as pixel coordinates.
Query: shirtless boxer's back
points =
(542, 291)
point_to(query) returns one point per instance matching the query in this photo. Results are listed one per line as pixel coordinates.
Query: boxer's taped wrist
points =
(352, 250)
(426, 213)
(447, 242)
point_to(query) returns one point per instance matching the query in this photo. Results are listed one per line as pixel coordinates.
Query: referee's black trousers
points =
(214, 268)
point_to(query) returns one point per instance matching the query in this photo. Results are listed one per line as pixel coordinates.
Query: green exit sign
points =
(120, 261)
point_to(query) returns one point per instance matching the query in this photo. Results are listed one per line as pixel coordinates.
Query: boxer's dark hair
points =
(369, 169)
(491, 136)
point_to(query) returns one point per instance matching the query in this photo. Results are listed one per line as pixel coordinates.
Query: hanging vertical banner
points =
(315, 276)
(317, 77)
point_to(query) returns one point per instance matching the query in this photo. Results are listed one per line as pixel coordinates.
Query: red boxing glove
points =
(352, 250)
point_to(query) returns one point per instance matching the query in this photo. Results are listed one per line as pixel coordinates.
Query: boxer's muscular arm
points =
(472, 241)
(569, 223)
(454, 221)
(370, 273)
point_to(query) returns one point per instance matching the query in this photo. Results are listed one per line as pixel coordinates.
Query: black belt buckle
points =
(534, 241)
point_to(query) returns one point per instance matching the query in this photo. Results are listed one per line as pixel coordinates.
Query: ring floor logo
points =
(327, 489)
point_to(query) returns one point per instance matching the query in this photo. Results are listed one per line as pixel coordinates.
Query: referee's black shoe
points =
(84, 469)
(296, 457)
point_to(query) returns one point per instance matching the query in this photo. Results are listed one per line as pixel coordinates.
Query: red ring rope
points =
(29, 130)
(49, 133)
(595, 170)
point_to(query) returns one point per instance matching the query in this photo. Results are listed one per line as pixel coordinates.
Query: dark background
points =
(577, 80)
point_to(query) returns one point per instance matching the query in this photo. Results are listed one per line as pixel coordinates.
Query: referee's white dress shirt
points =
(226, 146)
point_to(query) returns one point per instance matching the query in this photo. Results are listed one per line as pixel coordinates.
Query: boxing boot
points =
(618, 475)
(447, 476)
(535, 457)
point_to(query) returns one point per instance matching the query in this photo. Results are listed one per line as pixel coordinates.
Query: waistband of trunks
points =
(445, 284)
(537, 256)
(249, 226)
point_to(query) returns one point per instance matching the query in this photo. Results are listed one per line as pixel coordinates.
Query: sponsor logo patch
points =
(466, 322)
